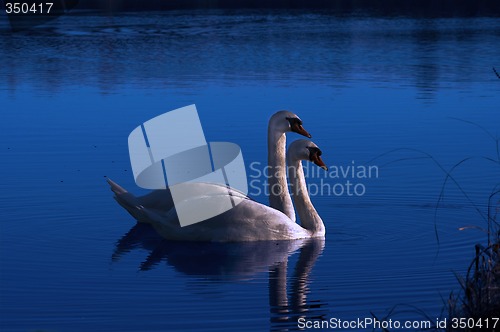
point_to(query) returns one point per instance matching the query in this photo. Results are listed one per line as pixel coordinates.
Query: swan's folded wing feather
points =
(248, 221)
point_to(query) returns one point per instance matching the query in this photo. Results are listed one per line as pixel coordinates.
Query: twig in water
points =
(498, 75)
(493, 137)
(448, 176)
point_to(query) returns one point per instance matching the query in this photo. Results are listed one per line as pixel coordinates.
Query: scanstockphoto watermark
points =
(337, 180)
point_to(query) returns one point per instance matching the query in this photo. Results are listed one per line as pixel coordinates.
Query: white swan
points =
(280, 123)
(248, 220)
(297, 151)
(279, 198)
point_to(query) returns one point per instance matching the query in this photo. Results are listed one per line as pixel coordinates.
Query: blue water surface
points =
(72, 90)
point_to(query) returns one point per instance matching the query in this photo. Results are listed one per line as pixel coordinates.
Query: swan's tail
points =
(128, 201)
(116, 188)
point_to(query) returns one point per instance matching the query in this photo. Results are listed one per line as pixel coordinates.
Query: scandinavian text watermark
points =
(338, 180)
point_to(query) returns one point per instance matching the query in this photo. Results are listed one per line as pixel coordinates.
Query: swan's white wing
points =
(162, 199)
(247, 221)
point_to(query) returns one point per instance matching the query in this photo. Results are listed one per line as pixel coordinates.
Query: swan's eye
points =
(294, 121)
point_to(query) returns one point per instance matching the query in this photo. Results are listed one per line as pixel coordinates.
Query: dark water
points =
(71, 92)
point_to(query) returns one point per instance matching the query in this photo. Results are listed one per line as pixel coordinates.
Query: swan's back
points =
(247, 221)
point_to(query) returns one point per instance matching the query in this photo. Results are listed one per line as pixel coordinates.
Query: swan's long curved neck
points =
(279, 197)
(309, 217)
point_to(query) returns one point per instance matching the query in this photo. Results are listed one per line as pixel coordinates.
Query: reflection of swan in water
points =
(236, 262)
(286, 310)
(215, 260)
(248, 220)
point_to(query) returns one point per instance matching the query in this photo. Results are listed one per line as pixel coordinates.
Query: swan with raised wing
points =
(248, 220)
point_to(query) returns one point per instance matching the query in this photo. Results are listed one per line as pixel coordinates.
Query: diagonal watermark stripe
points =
(170, 151)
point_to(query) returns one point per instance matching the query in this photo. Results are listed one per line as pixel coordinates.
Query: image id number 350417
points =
(28, 8)
(471, 323)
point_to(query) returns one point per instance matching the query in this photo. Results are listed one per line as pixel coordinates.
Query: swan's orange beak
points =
(318, 161)
(296, 127)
